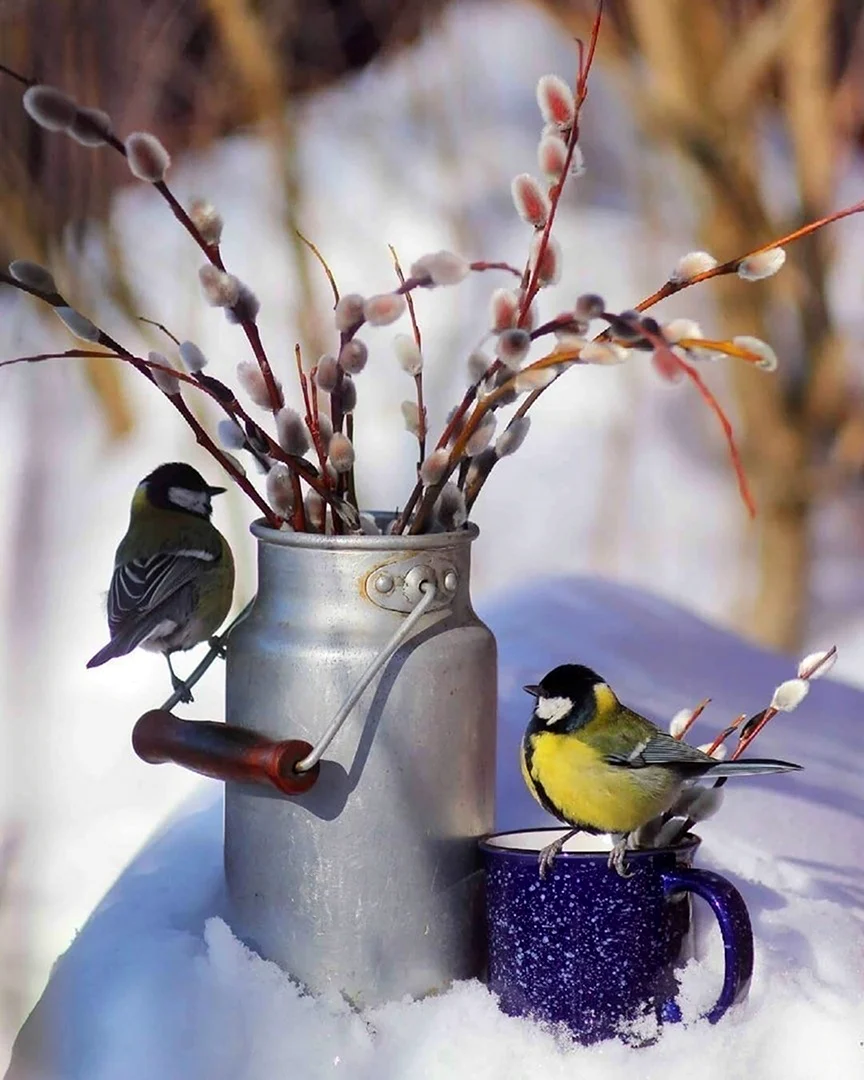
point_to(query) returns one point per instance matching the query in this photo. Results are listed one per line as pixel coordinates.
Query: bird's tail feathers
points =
(751, 766)
(117, 647)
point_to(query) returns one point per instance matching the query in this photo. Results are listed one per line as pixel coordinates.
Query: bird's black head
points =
(567, 698)
(177, 486)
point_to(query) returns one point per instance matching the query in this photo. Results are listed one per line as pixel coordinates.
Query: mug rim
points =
(687, 843)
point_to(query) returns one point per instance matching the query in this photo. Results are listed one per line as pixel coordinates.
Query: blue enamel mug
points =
(593, 950)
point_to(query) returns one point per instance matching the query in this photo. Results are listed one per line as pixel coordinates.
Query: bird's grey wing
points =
(141, 587)
(662, 749)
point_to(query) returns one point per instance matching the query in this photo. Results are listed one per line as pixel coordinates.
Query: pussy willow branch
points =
(232, 408)
(310, 402)
(201, 436)
(418, 378)
(487, 403)
(670, 288)
(529, 277)
(557, 189)
(211, 251)
(747, 737)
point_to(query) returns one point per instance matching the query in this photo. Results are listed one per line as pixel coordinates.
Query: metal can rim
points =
(363, 542)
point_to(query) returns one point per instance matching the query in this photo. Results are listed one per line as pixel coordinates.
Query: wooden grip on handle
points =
(226, 753)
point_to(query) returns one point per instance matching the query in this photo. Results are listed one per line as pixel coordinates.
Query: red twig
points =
(694, 716)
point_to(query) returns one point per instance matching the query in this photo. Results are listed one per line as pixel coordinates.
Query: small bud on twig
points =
(49, 107)
(555, 101)
(147, 157)
(761, 265)
(549, 268)
(512, 346)
(504, 306)
(90, 127)
(691, 265)
(790, 694)
(478, 365)
(434, 466)
(192, 357)
(526, 382)
(207, 220)
(316, 510)
(384, 309)
(280, 489)
(33, 275)
(325, 430)
(250, 378)
(602, 352)
(817, 664)
(167, 383)
(220, 289)
(450, 509)
(482, 435)
(292, 431)
(440, 268)
(353, 356)
(680, 722)
(551, 157)
(408, 354)
(345, 395)
(341, 452)
(411, 416)
(589, 306)
(368, 525)
(677, 329)
(79, 324)
(231, 435)
(767, 357)
(245, 308)
(512, 437)
(531, 201)
(349, 311)
(327, 373)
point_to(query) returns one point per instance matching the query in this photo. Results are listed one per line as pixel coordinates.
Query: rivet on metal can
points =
(384, 583)
(450, 581)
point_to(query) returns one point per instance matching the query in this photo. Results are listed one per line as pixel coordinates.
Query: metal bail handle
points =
(231, 753)
(429, 591)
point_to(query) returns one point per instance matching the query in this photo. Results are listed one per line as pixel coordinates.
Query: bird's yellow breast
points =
(583, 789)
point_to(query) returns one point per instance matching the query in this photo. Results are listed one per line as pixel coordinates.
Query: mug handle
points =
(731, 911)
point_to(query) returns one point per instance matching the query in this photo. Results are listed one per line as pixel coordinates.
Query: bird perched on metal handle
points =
(173, 572)
(602, 768)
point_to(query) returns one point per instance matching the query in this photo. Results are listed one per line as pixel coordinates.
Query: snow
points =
(156, 985)
(142, 989)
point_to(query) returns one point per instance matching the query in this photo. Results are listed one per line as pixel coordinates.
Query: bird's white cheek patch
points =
(553, 709)
(196, 501)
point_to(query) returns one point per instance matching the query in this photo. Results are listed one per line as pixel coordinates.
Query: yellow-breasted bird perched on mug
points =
(173, 572)
(602, 768)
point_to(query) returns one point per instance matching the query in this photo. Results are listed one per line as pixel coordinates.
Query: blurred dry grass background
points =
(708, 83)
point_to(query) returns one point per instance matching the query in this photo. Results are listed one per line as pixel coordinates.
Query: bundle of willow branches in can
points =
(308, 454)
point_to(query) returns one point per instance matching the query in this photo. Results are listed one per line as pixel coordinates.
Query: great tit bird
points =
(602, 768)
(173, 571)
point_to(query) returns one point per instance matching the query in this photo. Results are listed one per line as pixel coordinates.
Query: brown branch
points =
(418, 378)
(328, 272)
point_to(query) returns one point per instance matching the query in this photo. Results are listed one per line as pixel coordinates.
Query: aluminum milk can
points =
(369, 883)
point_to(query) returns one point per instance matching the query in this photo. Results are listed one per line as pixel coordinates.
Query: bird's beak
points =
(533, 690)
(216, 491)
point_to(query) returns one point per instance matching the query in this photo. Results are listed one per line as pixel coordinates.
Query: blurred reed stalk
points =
(709, 79)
